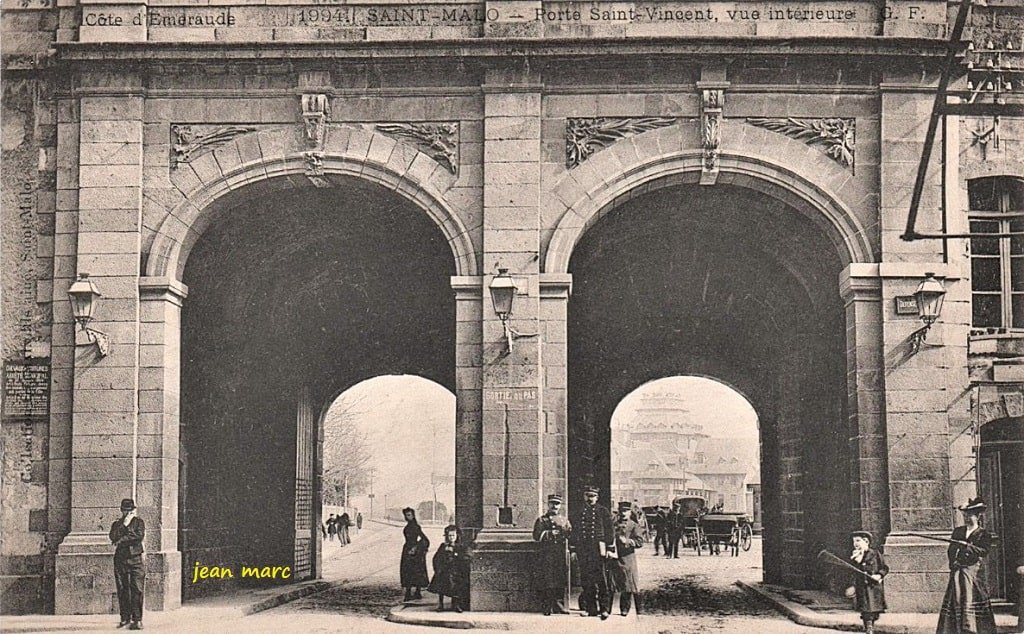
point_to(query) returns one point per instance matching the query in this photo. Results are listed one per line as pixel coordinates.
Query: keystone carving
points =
(189, 143)
(315, 169)
(316, 108)
(583, 137)
(834, 136)
(439, 141)
(711, 103)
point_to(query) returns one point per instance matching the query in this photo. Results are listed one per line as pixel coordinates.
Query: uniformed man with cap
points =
(127, 534)
(552, 530)
(592, 534)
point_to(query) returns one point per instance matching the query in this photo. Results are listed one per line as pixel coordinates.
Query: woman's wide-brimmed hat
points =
(975, 505)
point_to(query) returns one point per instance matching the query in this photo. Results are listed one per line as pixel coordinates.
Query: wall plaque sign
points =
(26, 390)
(906, 305)
(513, 397)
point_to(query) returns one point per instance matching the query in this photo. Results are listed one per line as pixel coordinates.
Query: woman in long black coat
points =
(451, 571)
(413, 569)
(966, 606)
(868, 588)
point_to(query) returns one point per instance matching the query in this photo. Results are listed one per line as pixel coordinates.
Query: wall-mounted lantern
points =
(503, 292)
(929, 296)
(83, 294)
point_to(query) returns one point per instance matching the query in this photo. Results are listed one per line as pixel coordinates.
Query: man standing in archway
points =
(127, 534)
(592, 533)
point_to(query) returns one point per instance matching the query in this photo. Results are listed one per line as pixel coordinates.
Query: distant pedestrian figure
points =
(660, 532)
(344, 522)
(413, 569)
(332, 527)
(868, 590)
(674, 527)
(451, 571)
(552, 531)
(966, 607)
(359, 521)
(624, 573)
(127, 535)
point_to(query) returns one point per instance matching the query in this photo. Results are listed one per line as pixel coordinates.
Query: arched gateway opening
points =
(294, 296)
(726, 282)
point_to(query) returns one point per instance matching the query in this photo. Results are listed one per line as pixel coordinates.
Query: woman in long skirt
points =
(966, 607)
(413, 570)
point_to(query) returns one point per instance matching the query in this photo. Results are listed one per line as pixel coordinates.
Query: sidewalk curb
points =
(285, 597)
(811, 618)
(804, 616)
(395, 616)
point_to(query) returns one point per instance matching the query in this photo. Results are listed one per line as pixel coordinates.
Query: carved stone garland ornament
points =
(189, 143)
(583, 137)
(711, 104)
(439, 141)
(835, 136)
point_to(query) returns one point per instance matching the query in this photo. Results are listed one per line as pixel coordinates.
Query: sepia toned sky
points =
(409, 423)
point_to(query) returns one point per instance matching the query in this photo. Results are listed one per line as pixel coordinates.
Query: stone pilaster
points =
(861, 289)
(468, 376)
(512, 404)
(105, 440)
(554, 302)
(159, 433)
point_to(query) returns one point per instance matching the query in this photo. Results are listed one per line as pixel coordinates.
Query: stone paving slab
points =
(823, 613)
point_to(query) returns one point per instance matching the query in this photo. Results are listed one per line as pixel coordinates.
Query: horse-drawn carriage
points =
(733, 530)
(703, 530)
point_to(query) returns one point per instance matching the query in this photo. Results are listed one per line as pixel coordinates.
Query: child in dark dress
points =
(451, 571)
(868, 589)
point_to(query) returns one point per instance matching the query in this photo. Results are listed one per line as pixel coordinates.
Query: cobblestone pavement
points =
(689, 594)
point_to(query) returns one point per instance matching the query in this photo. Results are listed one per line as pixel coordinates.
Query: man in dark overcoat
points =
(660, 536)
(127, 534)
(552, 530)
(674, 527)
(592, 535)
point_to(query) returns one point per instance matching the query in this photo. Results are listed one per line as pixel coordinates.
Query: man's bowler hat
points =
(127, 504)
(976, 505)
(865, 534)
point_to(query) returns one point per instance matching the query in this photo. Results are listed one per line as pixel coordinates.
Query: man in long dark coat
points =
(127, 534)
(674, 527)
(552, 531)
(591, 536)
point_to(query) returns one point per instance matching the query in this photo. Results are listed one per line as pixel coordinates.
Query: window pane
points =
(985, 246)
(1018, 310)
(1017, 273)
(986, 311)
(1017, 242)
(985, 274)
(981, 192)
(1015, 187)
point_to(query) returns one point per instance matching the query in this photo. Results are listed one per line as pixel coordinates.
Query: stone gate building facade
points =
(277, 200)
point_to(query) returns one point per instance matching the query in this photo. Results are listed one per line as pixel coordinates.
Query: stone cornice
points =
(165, 288)
(558, 48)
(468, 287)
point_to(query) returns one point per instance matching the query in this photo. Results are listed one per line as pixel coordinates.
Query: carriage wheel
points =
(746, 537)
(698, 541)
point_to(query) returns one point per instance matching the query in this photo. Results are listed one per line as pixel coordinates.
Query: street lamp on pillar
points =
(929, 296)
(503, 293)
(83, 294)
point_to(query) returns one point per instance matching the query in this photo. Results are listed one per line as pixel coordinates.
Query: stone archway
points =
(275, 159)
(272, 164)
(822, 191)
(783, 340)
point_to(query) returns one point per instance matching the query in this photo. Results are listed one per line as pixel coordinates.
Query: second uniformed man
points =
(591, 536)
(552, 531)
